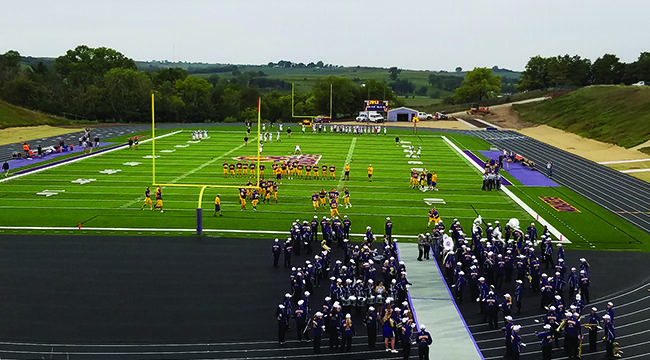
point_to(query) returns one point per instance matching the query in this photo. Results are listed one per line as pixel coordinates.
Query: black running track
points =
(615, 191)
(149, 298)
(619, 277)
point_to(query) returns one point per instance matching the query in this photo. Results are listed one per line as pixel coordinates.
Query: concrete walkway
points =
(434, 307)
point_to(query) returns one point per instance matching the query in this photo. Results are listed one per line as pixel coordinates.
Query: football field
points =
(105, 193)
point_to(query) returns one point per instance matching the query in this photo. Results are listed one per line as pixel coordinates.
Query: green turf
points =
(114, 201)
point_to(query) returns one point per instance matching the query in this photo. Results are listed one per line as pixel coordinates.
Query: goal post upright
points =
(259, 126)
(153, 139)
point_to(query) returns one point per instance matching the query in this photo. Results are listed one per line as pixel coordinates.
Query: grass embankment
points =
(614, 114)
(14, 116)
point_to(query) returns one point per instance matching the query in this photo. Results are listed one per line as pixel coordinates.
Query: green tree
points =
(638, 70)
(128, 92)
(10, 59)
(535, 76)
(479, 84)
(195, 94)
(85, 65)
(169, 75)
(607, 70)
(393, 73)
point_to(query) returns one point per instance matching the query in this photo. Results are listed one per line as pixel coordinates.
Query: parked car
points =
(441, 115)
(425, 116)
(322, 119)
(370, 116)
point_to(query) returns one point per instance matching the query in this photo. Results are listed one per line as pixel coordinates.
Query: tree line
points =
(573, 71)
(103, 84)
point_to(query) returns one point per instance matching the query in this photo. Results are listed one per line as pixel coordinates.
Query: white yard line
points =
(634, 171)
(514, 197)
(81, 158)
(623, 161)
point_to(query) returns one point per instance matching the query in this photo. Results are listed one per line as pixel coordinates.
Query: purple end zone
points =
(24, 162)
(476, 159)
(523, 174)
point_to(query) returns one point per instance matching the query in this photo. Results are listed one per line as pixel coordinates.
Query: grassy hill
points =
(13, 116)
(614, 114)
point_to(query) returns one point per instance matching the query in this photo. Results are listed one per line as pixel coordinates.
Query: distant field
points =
(112, 200)
(614, 114)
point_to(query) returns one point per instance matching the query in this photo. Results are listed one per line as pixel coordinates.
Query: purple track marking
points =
(37, 160)
(22, 162)
(477, 160)
(523, 174)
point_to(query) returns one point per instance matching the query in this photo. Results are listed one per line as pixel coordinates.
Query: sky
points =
(409, 34)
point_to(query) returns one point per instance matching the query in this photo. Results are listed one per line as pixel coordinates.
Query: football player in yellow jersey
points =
(300, 171)
(322, 195)
(268, 189)
(334, 208)
(242, 198)
(332, 172)
(275, 192)
(308, 171)
(284, 168)
(423, 179)
(262, 167)
(347, 172)
(346, 198)
(239, 168)
(244, 168)
(278, 174)
(251, 169)
(255, 199)
(316, 173)
(434, 181)
(433, 216)
(147, 199)
(217, 205)
(314, 200)
(159, 201)
(225, 169)
(370, 171)
(413, 179)
(231, 169)
(324, 170)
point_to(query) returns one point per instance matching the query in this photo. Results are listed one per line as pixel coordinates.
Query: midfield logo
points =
(48, 193)
(83, 181)
(110, 171)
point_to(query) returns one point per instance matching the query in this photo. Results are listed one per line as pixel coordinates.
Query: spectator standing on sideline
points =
(96, 141)
(5, 168)
(549, 169)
